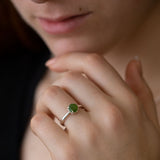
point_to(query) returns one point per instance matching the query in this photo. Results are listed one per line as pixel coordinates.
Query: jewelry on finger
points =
(72, 108)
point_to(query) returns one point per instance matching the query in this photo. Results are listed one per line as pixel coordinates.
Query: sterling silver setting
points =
(69, 112)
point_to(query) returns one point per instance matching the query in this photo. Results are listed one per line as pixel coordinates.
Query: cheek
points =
(18, 4)
(24, 8)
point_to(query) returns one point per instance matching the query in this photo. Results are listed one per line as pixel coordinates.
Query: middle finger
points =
(85, 92)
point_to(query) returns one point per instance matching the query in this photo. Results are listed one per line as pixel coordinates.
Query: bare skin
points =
(118, 51)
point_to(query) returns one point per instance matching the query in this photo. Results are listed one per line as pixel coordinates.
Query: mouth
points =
(62, 24)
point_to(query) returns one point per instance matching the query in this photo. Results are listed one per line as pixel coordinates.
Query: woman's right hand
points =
(116, 125)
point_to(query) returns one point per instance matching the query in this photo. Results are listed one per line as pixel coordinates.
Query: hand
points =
(120, 120)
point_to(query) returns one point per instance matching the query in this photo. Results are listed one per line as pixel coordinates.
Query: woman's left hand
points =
(120, 121)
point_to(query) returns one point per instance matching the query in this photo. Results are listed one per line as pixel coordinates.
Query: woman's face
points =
(102, 23)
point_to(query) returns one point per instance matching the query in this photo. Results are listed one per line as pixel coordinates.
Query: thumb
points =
(136, 81)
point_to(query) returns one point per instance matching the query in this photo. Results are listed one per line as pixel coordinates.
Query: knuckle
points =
(90, 134)
(92, 59)
(46, 97)
(51, 92)
(114, 119)
(36, 121)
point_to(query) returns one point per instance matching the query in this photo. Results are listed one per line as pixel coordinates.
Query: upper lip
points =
(62, 18)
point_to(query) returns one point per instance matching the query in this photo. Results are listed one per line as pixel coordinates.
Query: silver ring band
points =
(72, 108)
(65, 116)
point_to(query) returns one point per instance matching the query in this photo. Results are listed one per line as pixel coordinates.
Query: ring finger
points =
(56, 101)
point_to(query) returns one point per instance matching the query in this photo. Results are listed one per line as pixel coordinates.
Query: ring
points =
(72, 108)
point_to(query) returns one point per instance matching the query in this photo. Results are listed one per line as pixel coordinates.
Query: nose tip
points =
(39, 1)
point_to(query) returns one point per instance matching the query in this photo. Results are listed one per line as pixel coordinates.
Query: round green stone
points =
(73, 108)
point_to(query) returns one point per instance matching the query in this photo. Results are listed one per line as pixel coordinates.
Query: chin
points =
(83, 45)
(61, 50)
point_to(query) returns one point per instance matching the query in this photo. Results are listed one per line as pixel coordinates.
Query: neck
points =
(146, 45)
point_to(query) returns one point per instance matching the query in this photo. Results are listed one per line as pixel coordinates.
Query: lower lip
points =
(62, 27)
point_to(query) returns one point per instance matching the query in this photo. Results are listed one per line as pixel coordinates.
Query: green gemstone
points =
(73, 108)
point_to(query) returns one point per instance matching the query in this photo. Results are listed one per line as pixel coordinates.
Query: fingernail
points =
(50, 62)
(139, 65)
(136, 58)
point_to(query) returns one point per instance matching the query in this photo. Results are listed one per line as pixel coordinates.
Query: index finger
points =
(96, 68)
